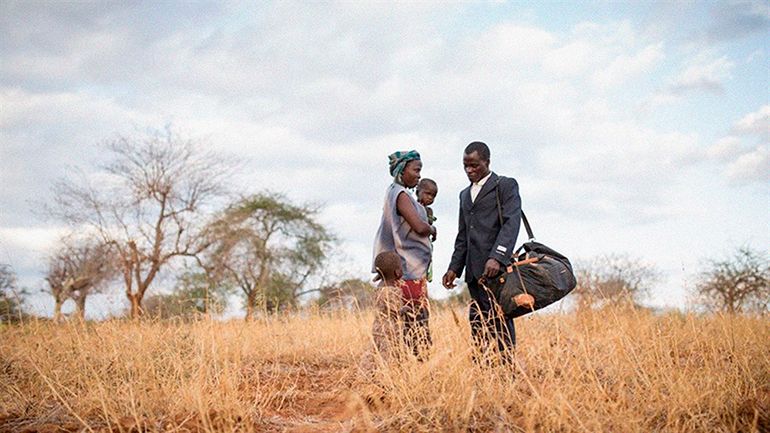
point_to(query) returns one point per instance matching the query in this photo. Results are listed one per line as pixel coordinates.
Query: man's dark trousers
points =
(488, 325)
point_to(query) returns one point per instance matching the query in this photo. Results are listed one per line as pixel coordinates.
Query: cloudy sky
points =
(640, 128)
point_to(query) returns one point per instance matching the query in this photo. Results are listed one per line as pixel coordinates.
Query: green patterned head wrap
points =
(398, 161)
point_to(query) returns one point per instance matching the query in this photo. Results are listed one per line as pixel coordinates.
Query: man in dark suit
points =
(490, 215)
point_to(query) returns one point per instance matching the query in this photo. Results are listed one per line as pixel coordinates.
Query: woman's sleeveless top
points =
(397, 235)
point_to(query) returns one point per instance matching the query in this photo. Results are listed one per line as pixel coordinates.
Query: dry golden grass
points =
(606, 371)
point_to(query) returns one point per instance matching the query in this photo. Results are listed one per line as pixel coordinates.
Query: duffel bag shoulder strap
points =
(500, 212)
(529, 233)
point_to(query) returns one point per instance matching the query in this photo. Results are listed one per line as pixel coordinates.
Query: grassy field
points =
(605, 371)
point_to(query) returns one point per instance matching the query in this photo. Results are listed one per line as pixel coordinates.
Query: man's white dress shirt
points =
(476, 186)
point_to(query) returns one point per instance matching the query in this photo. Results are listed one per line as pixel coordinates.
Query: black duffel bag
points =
(538, 270)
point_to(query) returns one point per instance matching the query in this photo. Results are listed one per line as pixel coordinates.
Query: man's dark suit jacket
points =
(479, 235)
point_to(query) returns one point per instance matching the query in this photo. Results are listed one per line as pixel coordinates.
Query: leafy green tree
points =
(192, 297)
(10, 295)
(352, 293)
(268, 248)
(736, 284)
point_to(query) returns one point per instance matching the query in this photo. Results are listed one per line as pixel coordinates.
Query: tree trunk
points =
(205, 310)
(80, 307)
(57, 316)
(136, 304)
(206, 302)
(251, 303)
(731, 301)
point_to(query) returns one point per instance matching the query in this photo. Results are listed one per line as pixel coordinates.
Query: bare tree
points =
(736, 284)
(614, 279)
(78, 268)
(148, 203)
(268, 248)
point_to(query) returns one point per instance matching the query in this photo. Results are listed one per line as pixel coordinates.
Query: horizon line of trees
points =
(736, 284)
(162, 201)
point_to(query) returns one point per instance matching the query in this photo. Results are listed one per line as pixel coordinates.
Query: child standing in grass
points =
(389, 306)
(387, 328)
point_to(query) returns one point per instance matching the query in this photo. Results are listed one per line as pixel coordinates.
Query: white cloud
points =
(30, 238)
(510, 43)
(625, 67)
(20, 107)
(511, 81)
(660, 99)
(760, 8)
(26, 248)
(737, 19)
(43, 135)
(613, 34)
(570, 59)
(757, 123)
(703, 74)
(752, 166)
(725, 148)
(746, 152)
(755, 56)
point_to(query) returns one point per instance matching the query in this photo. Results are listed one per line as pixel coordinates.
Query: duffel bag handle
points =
(527, 227)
